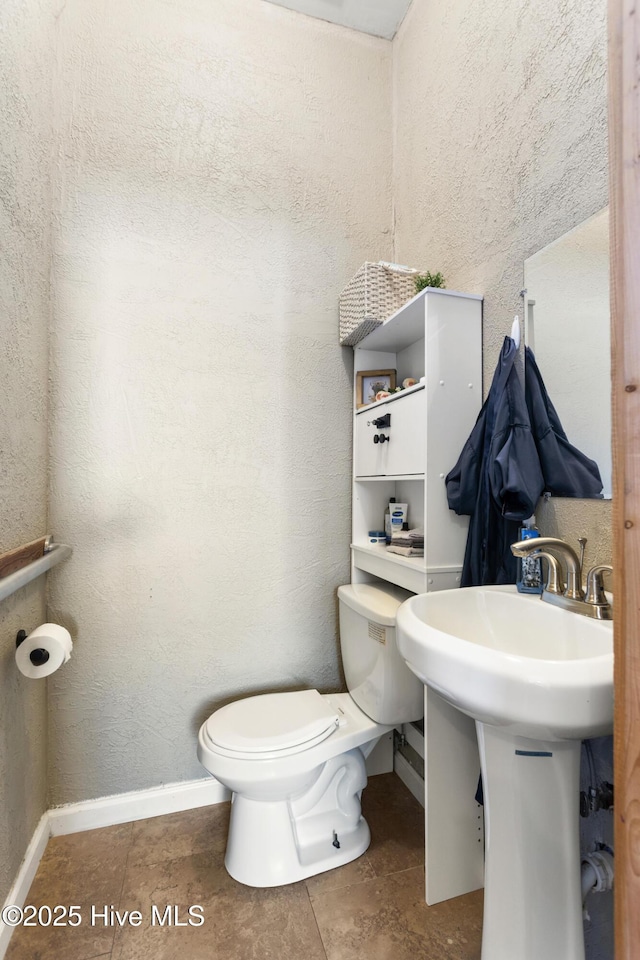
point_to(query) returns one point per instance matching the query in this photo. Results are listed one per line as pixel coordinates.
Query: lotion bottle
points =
(398, 517)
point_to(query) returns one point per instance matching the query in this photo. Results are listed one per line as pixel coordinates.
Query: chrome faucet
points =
(572, 597)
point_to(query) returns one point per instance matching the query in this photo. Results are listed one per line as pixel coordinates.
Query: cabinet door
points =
(371, 457)
(404, 452)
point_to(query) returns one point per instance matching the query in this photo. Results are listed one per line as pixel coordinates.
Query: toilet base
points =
(272, 843)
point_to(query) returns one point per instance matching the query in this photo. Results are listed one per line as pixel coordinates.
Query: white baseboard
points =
(137, 805)
(105, 812)
(26, 873)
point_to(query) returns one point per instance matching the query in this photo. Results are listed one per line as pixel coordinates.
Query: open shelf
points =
(376, 550)
(406, 325)
(412, 573)
(407, 572)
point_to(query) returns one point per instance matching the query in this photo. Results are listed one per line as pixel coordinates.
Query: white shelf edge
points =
(394, 396)
(443, 292)
(412, 563)
(57, 553)
(391, 477)
(368, 342)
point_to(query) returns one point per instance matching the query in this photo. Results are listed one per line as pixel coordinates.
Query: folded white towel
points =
(406, 551)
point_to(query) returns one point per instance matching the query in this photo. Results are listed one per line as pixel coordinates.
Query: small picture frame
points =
(369, 382)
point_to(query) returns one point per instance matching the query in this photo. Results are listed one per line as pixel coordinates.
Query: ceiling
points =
(378, 17)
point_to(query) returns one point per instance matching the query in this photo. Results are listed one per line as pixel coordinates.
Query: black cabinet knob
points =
(380, 438)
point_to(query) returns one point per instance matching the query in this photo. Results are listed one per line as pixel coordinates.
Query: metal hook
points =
(515, 332)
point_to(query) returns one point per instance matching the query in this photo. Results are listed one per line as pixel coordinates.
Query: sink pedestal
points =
(524, 671)
(532, 906)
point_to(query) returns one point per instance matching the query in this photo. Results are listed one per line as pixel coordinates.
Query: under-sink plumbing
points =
(596, 874)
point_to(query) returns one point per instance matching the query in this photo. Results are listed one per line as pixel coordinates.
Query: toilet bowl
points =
(295, 762)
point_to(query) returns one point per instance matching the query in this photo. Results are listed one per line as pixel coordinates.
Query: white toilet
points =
(296, 761)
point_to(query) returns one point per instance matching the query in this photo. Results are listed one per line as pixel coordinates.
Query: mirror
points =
(567, 327)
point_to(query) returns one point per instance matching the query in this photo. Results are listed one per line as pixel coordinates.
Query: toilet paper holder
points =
(37, 657)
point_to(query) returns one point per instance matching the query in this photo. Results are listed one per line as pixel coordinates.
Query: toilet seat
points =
(271, 725)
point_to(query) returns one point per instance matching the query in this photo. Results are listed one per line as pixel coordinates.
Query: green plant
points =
(429, 280)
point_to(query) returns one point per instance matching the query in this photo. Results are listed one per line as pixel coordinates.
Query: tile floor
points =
(372, 908)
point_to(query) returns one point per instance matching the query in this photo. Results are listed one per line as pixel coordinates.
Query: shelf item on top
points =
(372, 295)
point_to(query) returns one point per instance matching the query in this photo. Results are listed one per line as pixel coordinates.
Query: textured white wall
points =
(501, 147)
(26, 60)
(226, 168)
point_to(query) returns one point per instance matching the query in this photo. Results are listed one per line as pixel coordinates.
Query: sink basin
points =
(537, 680)
(510, 660)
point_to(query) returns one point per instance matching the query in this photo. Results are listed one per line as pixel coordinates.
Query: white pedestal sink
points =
(537, 680)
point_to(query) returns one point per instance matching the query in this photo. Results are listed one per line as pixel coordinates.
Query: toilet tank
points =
(377, 677)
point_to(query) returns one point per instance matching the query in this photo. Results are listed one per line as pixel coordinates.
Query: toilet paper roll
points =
(44, 650)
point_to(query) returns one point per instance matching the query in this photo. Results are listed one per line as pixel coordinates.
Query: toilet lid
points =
(272, 722)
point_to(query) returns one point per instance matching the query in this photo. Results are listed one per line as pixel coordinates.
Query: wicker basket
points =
(371, 297)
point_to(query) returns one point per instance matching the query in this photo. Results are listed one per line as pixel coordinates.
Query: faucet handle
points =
(595, 587)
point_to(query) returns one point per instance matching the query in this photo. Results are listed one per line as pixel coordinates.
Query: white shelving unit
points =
(436, 336)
